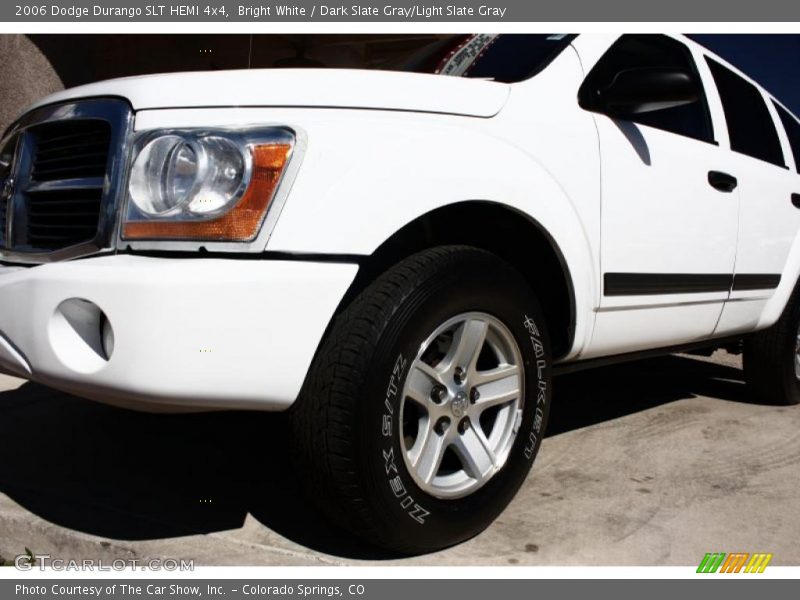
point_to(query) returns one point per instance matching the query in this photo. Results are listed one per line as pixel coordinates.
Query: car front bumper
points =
(188, 333)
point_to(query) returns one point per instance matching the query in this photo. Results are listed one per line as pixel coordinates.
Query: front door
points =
(669, 212)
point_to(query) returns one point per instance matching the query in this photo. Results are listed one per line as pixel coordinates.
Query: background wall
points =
(36, 65)
(33, 66)
(25, 75)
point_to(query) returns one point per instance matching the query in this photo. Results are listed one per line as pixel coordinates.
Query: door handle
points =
(722, 181)
(796, 200)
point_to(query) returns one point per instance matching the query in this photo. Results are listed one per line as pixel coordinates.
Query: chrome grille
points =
(7, 150)
(70, 149)
(3, 211)
(66, 175)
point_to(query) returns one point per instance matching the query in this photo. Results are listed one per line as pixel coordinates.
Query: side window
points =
(656, 51)
(792, 128)
(750, 126)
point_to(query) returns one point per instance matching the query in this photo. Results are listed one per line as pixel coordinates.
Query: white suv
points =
(402, 260)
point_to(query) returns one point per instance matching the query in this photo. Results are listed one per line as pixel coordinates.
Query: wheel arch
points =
(514, 237)
(790, 279)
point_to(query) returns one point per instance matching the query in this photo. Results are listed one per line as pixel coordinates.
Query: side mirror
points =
(636, 91)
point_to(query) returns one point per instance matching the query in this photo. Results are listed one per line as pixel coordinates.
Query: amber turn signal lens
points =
(241, 223)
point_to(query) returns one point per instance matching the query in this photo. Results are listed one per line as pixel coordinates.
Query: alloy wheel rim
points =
(462, 405)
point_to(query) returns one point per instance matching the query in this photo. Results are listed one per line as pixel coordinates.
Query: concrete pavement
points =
(650, 463)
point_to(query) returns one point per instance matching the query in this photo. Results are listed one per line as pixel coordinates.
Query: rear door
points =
(767, 181)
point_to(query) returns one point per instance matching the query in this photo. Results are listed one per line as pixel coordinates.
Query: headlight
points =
(204, 185)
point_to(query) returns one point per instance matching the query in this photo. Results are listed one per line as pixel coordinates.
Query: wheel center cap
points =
(458, 405)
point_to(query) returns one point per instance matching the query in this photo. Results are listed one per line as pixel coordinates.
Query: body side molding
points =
(642, 284)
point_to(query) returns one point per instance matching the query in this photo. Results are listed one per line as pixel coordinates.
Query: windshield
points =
(81, 59)
(504, 58)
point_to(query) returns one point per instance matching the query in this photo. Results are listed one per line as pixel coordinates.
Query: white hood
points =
(337, 88)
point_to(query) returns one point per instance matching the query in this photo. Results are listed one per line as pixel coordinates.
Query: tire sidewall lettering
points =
(541, 370)
(390, 429)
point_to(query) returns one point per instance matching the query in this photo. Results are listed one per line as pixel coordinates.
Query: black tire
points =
(347, 458)
(769, 358)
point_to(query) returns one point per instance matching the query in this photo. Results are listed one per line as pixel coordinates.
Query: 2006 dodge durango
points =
(402, 259)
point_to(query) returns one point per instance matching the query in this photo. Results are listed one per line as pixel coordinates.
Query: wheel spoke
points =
(423, 429)
(420, 381)
(475, 453)
(498, 386)
(497, 374)
(428, 458)
(467, 344)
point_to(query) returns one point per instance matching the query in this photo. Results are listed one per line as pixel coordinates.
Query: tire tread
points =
(323, 416)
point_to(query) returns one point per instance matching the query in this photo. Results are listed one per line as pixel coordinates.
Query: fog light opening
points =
(81, 335)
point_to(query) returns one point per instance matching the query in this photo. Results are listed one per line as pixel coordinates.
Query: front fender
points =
(365, 174)
(353, 194)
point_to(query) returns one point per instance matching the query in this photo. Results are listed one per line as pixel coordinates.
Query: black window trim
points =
(766, 98)
(778, 108)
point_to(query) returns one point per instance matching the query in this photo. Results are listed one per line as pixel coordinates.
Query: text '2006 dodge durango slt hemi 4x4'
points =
(402, 259)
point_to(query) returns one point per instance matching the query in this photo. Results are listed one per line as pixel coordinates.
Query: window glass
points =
(750, 126)
(504, 58)
(656, 51)
(792, 128)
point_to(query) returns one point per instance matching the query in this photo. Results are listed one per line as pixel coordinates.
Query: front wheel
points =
(428, 400)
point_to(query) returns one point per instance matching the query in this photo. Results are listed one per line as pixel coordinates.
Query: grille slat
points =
(60, 215)
(68, 168)
(35, 224)
(96, 157)
(85, 169)
(43, 238)
(69, 152)
(37, 205)
(60, 185)
(94, 141)
(77, 137)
